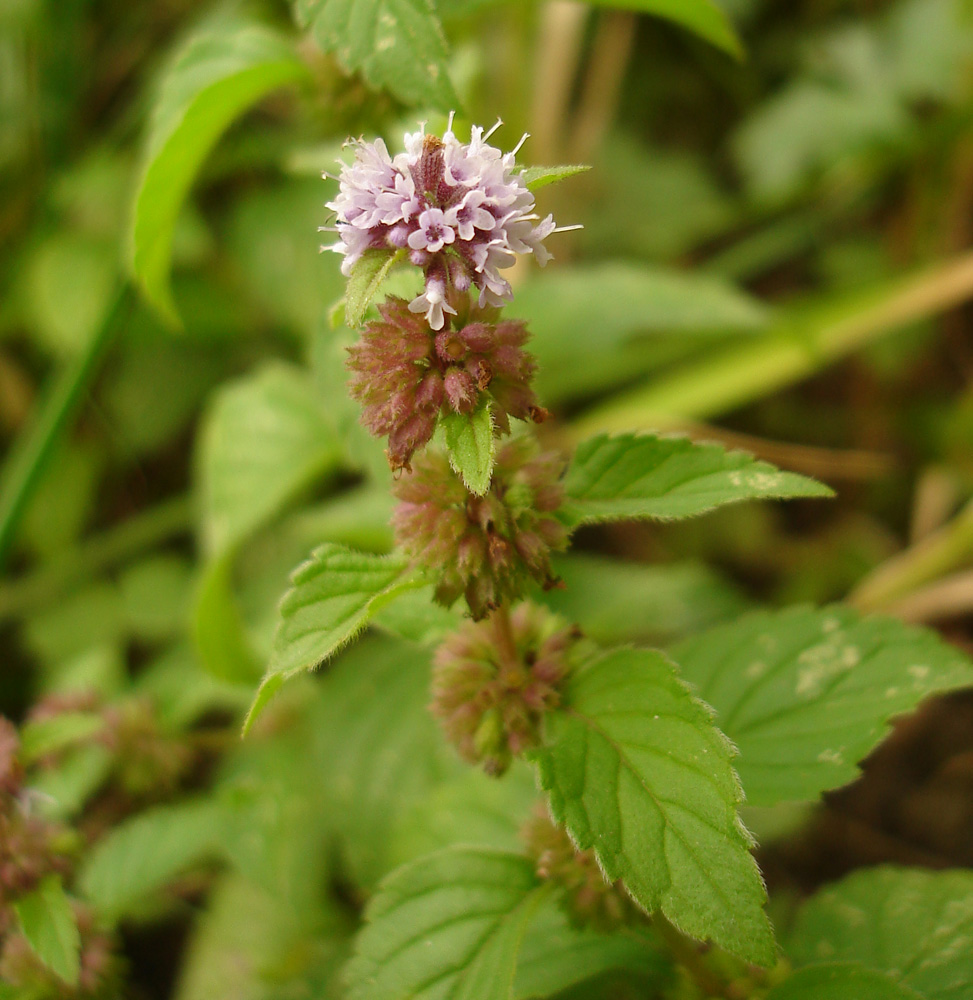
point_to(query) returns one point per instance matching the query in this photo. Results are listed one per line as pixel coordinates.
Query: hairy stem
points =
(687, 954)
(506, 644)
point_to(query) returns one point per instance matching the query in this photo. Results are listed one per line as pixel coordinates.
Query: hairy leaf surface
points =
(630, 476)
(331, 598)
(636, 770)
(805, 693)
(448, 926)
(367, 275)
(538, 177)
(395, 44)
(471, 447)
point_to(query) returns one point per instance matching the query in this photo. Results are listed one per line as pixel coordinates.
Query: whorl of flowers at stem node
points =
(461, 210)
(489, 548)
(590, 901)
(30, 846)
(404, 374)
(491, 687)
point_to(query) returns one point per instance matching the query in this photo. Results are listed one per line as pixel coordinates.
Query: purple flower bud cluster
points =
(404, 375)
(28, 843)
(489, 698)
(461, 211)
(490, 548)
(591, 902)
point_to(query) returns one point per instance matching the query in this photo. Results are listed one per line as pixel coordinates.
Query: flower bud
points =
(405, 375)
(492, 683)
(490, 548)
(590, 900)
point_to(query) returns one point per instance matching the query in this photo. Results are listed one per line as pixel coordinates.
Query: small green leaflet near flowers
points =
(471, 446)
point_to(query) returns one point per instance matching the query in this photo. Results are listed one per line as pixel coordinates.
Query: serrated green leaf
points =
(395, 44)
(142, 854)
(913, 925)
(702, 17)
(385, 753)
(556, 956)
(47, 922)
(471, 447)
(636, 769)
(216, 77)
(448, 926)
(332, 596)
(538, 177)
(265, 438)
(840, 981)
(367, 276)
(806, 693)
(628, 476)
(57, 732)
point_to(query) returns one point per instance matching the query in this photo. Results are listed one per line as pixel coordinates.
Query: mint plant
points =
(525, 723)
(637, 750)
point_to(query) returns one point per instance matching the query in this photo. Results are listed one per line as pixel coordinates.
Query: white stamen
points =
(567, 229)
(523, 139)
(492, 130)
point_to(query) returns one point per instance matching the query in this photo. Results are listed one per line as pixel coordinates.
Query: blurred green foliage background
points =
(776, 253)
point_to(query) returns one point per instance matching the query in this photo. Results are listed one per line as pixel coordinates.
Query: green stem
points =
(804, 342)
(928, 560)
(506, 643)
(144, 531)
(32, 451)
(687, 954)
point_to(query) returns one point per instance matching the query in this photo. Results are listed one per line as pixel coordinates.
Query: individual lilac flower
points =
(434, 231)
(488, 548)
(405, 375)
(491, 685)
(462, 211)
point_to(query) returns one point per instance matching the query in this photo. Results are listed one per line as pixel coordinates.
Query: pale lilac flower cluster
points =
(460, 210)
